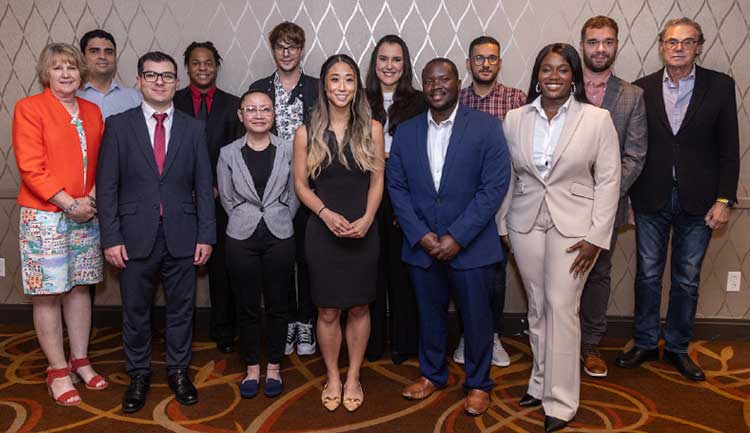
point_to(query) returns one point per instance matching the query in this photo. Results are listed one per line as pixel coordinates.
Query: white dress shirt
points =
(546, 135)
(438, 138)
(148, 113)
(387, 102)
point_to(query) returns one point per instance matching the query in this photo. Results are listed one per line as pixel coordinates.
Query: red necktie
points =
(160, 141)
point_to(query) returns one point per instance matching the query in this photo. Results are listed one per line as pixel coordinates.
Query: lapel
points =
(273, 178)
(572, 120)
(424, 160)
(239, 161)
(657, 87)
(699, 92)
(528, 123)
(457, 134)
(142, 138)
(216, 108)
(175, 139)
(612, 95)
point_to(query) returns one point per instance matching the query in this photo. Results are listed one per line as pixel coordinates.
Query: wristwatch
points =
(726, 201)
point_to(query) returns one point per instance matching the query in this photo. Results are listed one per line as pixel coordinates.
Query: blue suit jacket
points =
(129, 187)
(472, 187)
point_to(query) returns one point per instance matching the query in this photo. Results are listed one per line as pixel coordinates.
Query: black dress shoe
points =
(529, 401)
(682, 363)
(554, 424)
(636, 356)
(135, 396)
(225, 345)
(183, 389)
(399, 358)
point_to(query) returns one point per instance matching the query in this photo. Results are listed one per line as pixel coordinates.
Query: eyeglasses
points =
(291, 49)
(166, 77)
(594, 43)
(254, 111)
(479, 60)
(688, 43)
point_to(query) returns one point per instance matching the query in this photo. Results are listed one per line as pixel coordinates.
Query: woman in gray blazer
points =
(257, 191)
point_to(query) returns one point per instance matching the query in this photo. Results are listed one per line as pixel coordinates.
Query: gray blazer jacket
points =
(625, 104)
(240, 199)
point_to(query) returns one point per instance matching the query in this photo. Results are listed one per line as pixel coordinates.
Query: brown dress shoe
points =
(419, 390)
(477, 402)
(593, 363)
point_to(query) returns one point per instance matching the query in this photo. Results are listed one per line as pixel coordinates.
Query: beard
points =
(482, 82)
(594, 68)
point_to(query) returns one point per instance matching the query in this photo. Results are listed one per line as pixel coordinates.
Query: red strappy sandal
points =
(64, 398)
(97, 383)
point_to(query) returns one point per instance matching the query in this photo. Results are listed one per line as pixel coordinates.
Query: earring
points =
(573, 88)
(537, 88)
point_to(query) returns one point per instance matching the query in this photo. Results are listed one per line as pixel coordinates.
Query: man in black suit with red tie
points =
(156, 216)
(218, 109)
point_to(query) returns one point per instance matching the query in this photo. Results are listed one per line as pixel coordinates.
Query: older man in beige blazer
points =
(553, 209)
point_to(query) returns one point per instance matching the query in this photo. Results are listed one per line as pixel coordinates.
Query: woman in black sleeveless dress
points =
(338, 174)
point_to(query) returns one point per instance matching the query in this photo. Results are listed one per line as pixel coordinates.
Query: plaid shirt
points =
(499, 101)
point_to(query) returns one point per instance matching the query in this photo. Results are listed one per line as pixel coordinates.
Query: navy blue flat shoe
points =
(249, 388)
(273, 387)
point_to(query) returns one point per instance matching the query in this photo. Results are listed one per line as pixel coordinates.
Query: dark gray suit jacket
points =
(625, 104)
(240, 198)
(129, 188)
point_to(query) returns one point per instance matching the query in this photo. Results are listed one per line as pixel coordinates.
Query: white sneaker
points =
(500, 357)
(458, 354)
(305, 339)
(291, 333)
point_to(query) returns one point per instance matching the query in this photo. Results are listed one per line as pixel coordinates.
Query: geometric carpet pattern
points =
(652, 399)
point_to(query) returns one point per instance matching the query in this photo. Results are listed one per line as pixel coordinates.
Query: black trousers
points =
(137, 293)
(262, 264)
(223, 323)
(301, 307)
(394, 292)
(595, 297)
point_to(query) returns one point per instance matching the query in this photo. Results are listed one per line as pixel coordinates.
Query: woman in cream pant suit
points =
(559, 213)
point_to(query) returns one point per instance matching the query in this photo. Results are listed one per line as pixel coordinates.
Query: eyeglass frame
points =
(291, 49)
(161, 75)
(688, 43)
(253, 111)
(475, 59)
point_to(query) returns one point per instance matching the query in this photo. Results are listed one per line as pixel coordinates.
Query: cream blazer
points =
(582, 188)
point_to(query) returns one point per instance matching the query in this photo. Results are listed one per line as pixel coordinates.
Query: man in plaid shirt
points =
(487, 95)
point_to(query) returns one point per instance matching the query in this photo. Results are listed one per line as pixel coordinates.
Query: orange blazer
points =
(48, 152)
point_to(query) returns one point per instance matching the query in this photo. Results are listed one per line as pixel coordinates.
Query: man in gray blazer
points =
(625, 104)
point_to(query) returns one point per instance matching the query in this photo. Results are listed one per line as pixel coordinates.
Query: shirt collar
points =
(590, 79)
(537, 105)
(495, 88)
(197, 93)
(112, 86)
(448, 121)
(149, 111)
(690, 76)
(277, 82)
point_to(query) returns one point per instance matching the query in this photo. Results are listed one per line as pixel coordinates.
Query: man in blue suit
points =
(156, 215)
(448, 173)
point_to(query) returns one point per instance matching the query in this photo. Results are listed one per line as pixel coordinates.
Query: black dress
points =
(342, 271)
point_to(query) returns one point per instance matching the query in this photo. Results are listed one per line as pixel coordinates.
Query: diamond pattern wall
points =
(431, 28)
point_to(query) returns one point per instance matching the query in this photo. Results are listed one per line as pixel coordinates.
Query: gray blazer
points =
(240, 199)
(625, 104)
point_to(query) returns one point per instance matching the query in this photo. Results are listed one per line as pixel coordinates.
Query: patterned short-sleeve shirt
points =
(289, 115)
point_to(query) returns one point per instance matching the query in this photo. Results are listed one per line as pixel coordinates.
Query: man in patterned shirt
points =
(294, 95)
(487, 95)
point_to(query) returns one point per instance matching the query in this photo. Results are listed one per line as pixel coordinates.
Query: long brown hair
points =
(358, 135)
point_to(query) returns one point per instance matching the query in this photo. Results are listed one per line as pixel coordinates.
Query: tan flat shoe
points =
(330, 400)
(353, 403)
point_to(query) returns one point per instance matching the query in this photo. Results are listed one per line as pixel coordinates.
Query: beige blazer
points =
(582, 188)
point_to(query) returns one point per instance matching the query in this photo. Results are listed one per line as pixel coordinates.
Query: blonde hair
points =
(60, 51)
(358, 135)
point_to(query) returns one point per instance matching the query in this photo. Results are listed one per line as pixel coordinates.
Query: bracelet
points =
(723, 200)
(71, 208)
(321, 210)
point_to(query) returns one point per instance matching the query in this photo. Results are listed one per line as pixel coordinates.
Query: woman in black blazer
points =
(257, 191)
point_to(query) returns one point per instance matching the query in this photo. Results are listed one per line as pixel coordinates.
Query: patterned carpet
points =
(653, 399)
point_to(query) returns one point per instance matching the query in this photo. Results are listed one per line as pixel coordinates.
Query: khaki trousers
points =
(554, 326)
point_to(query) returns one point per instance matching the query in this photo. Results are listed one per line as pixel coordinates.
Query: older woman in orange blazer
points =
(56, 142)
